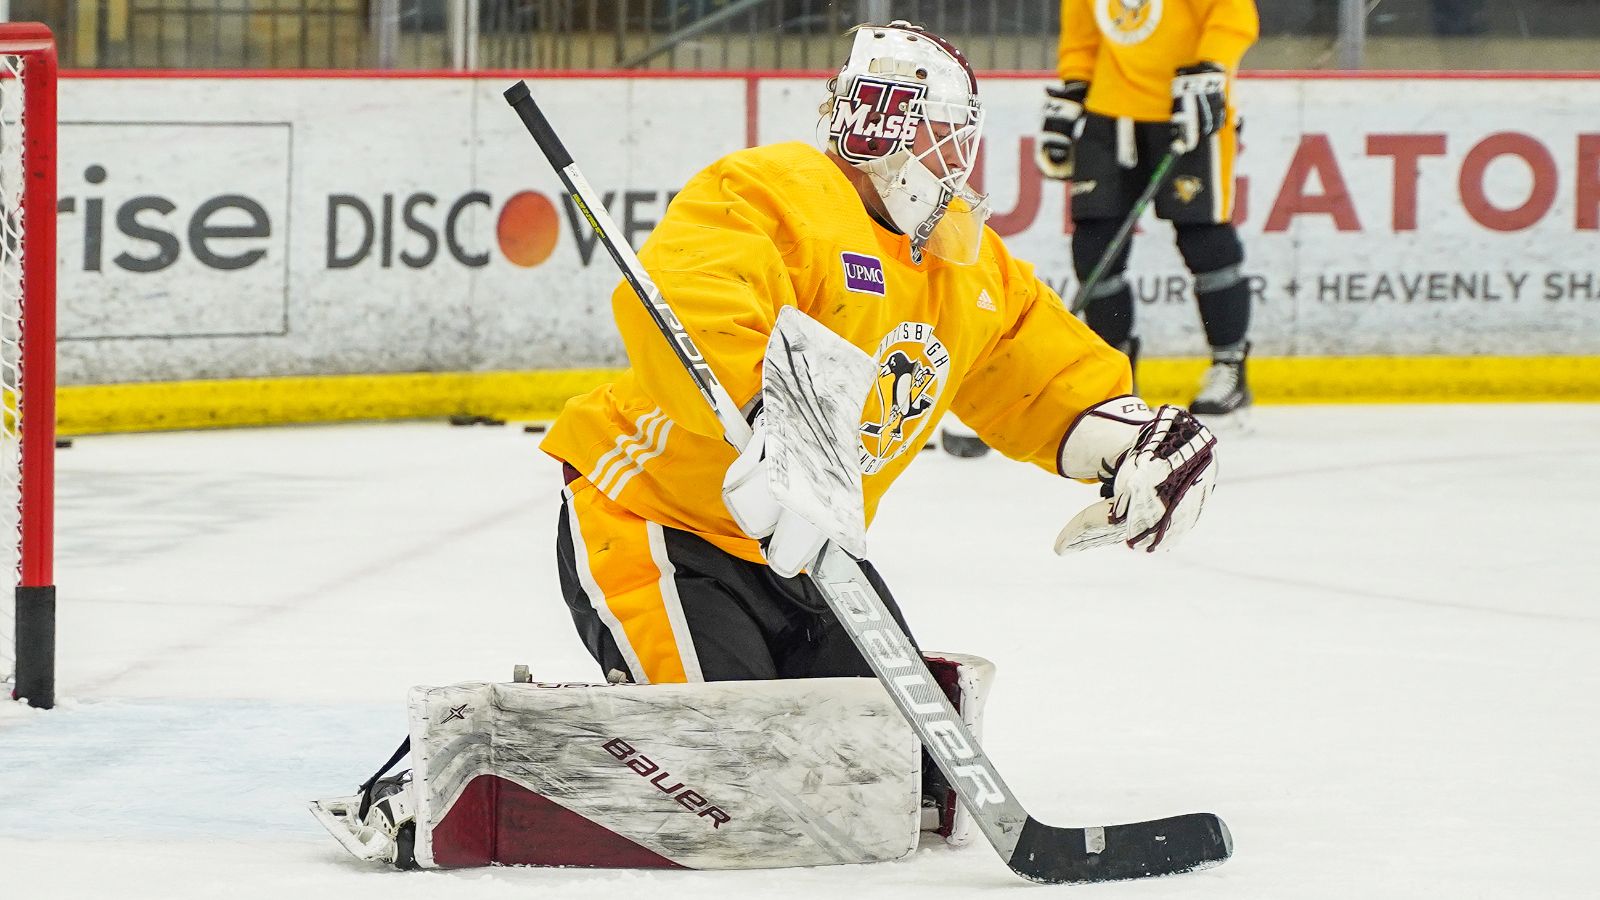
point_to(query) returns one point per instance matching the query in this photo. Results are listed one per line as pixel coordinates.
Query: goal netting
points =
(27, 360)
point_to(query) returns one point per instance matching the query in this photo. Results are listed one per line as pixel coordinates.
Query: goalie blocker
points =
(718, 775)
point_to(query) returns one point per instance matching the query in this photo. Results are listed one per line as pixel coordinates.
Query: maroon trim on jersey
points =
(499, 821)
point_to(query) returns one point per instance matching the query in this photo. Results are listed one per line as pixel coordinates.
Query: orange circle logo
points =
(527, 229)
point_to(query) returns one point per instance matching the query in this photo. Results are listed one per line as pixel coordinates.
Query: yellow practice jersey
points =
(780, 226)
(1129, 50)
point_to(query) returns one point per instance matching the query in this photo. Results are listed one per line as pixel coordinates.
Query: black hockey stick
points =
(1080, 300)
(1032, 849)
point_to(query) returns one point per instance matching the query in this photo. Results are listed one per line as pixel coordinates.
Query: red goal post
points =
(28, 357)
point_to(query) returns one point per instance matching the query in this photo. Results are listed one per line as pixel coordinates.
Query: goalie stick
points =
(1032, 849)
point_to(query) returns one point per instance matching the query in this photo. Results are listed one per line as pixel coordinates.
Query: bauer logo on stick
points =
(876, 119)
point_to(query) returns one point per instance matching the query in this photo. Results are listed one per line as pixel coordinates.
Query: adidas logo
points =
(985, 302)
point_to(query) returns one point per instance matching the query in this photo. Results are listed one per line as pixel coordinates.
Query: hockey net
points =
(27, 360)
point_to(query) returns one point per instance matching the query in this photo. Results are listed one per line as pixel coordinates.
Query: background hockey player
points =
(1138, 76)
(676, 560)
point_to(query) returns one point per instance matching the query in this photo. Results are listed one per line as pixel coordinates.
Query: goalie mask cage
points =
(27, 358)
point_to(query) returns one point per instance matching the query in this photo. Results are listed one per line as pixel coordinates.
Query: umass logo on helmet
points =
(878, 118)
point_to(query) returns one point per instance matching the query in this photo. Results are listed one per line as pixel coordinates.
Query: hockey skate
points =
(1224, 398)
(378, 825)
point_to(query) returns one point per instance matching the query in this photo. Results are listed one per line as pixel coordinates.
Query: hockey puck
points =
(966, 447)
(535, 428)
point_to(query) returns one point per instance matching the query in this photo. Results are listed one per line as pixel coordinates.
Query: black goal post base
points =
(36, 646)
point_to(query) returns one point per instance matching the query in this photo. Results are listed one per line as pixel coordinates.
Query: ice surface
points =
(1376, 657)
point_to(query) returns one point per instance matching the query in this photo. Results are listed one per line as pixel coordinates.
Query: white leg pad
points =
(722, 775)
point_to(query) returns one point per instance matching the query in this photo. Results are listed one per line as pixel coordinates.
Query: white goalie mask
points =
(905, 110)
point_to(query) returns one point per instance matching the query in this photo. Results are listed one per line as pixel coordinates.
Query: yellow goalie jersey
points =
(780, 226)
(1128, 50)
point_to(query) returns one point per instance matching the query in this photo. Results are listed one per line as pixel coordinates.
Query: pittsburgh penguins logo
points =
(903, 395)
(913, 366)
(1187, 187)
(1127, 21)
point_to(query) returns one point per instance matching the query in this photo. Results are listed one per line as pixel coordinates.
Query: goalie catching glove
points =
(1159, 467)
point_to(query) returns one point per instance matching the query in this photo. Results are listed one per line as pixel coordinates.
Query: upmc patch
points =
(863, 274)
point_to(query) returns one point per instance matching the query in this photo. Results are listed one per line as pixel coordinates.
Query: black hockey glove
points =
(1199, 104)
(1063, 123)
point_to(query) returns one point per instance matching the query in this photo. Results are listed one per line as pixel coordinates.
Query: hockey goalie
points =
(844, 298)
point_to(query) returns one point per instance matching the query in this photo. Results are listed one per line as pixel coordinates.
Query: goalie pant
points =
(727, 775)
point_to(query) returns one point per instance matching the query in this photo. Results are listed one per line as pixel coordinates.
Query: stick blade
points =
(1120, 852)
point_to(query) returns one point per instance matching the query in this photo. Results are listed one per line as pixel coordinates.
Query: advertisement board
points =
(257, 227)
